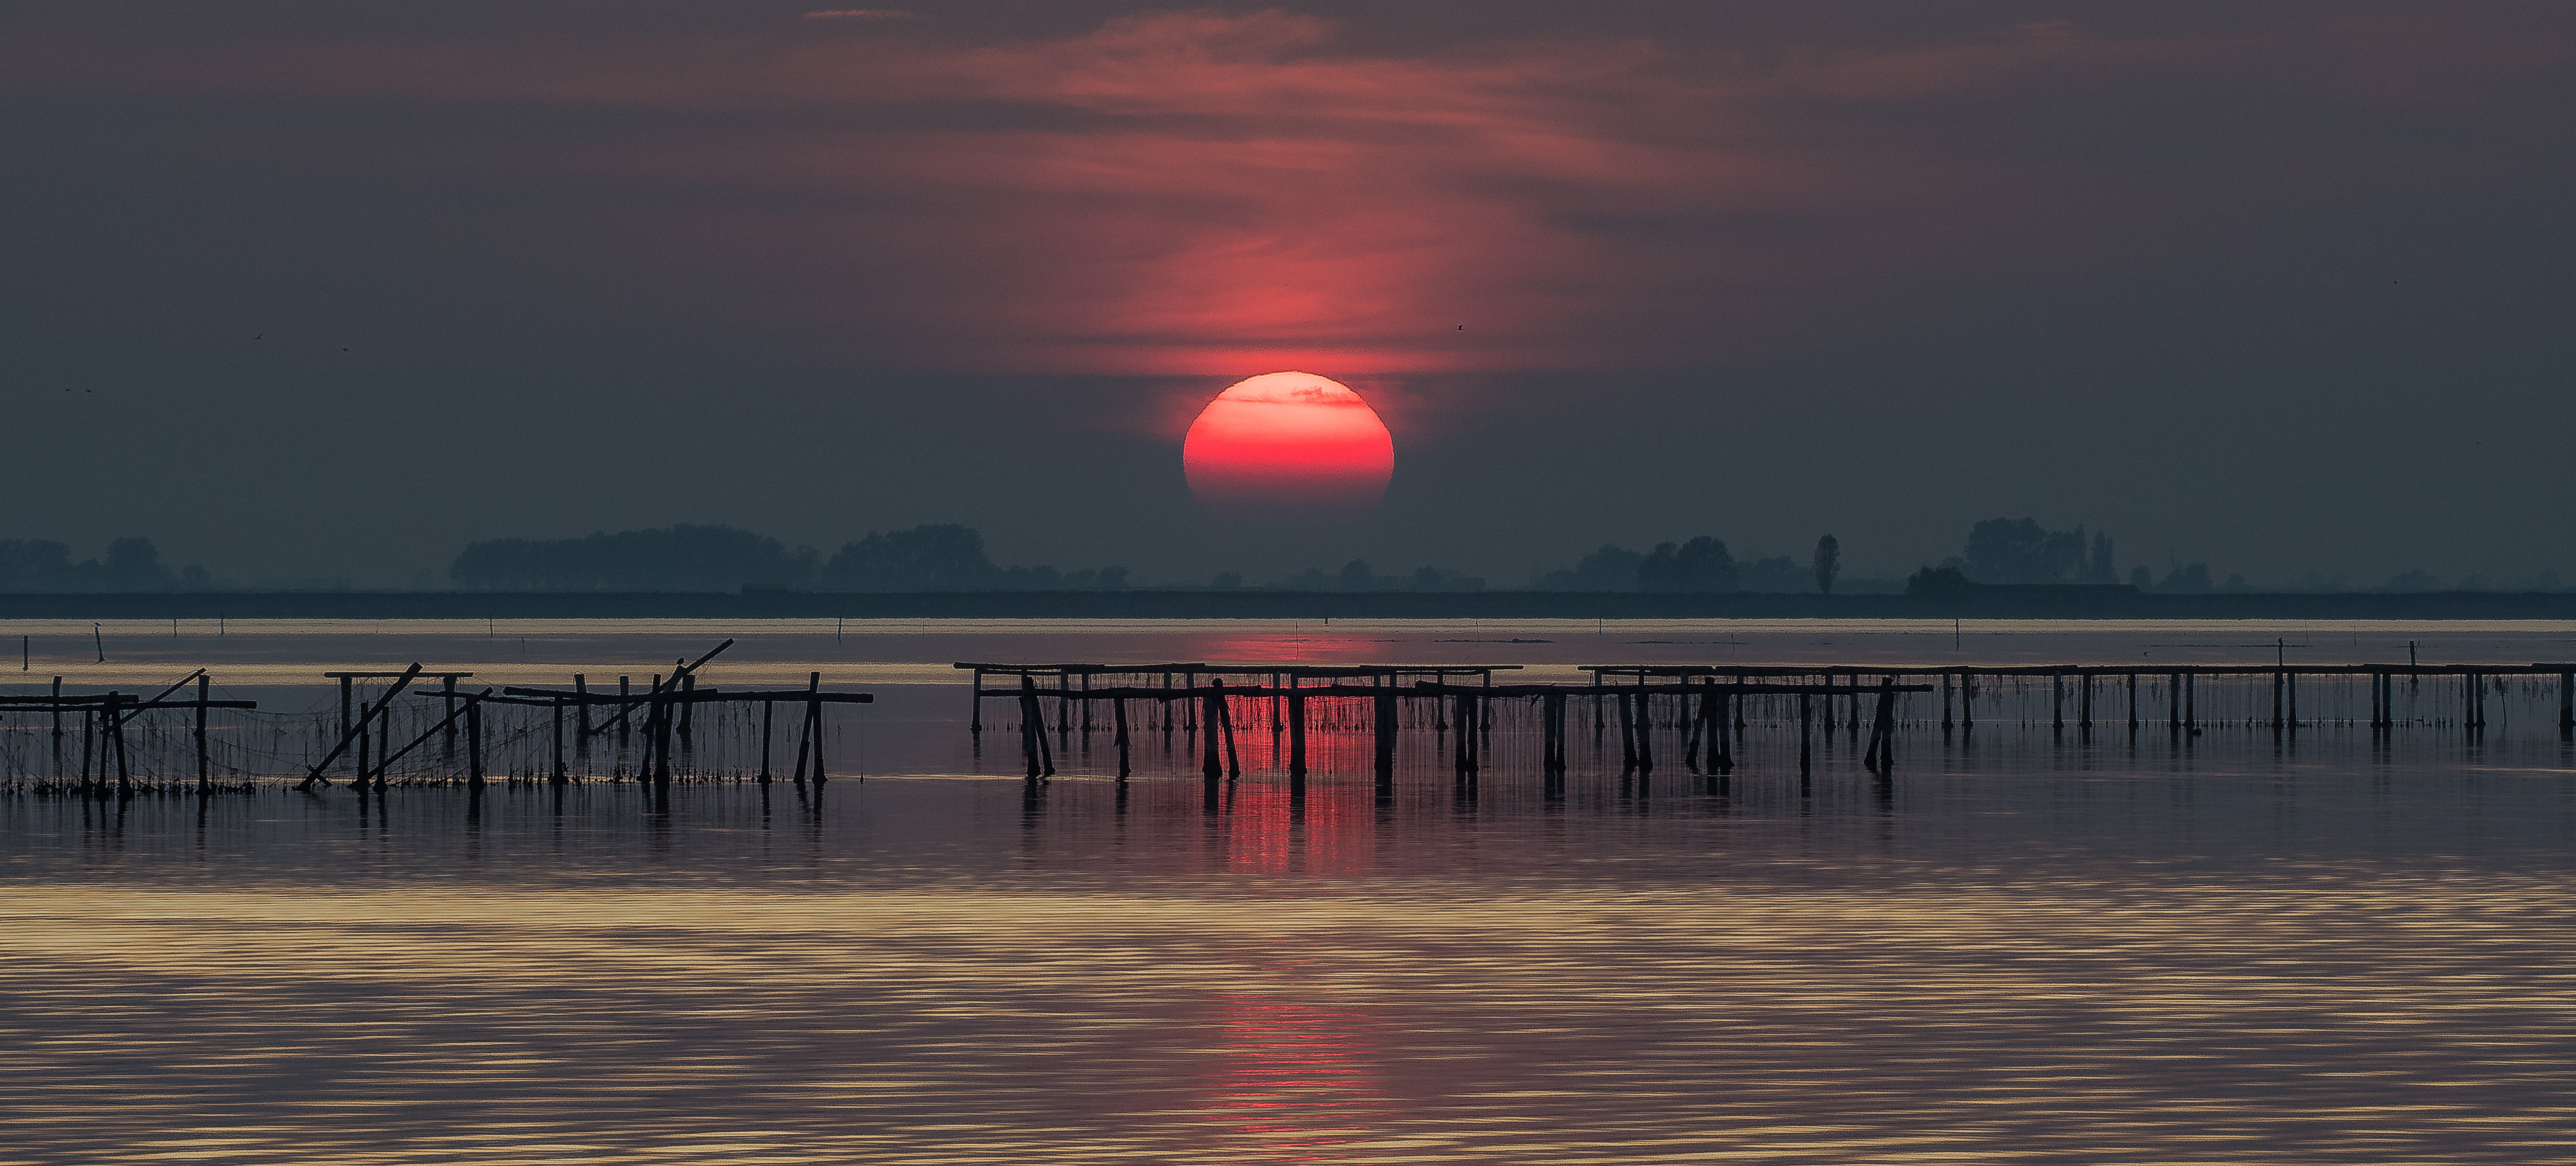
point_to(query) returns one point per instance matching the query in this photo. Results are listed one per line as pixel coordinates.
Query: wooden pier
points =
(361, 748)
(1707, 702)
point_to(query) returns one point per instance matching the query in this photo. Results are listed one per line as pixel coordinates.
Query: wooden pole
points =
(975, 719)
(1967, 699)
(2292, 679)
(2567, 700)
(1225, 724)
(814, 717)
(2085, 716)
(768, 721)
(2173, 700)
(1032, 730)
(1645, 735)
(2191, 700)
(1722, 757)
(1627, 736)
(116, 740)
(1296, 735)
(581, 725)
(205, 776)
(346, 691)
(474, 742)
(1806, 750)
(2276, 698)
(447, 709)
(1945, 700)
(1120, 707)
(1382, 705)
(58, 728)
(1211, 765)
(562, 775)
(2133, 701)
(2057, 700)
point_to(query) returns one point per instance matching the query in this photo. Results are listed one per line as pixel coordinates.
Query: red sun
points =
(1289, 441)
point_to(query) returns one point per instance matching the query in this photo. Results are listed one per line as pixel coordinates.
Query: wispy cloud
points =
(1197, 192)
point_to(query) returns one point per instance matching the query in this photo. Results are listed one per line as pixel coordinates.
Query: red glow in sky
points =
(1288, 441)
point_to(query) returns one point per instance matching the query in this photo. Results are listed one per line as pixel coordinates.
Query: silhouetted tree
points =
(2191, 579)
(2102, 569)
(132, 564)
(1356, 575)
(2003, 550)
(1702, 564)
(1937, 581)
(1611, 568)
(931, 557)
(1227, 580)
(1828, 563)
(2141, 578)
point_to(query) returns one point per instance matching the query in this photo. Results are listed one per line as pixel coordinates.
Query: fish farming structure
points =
(119, 744)
(1711, 708)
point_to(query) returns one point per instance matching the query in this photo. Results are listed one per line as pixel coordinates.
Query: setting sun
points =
(1288, 440)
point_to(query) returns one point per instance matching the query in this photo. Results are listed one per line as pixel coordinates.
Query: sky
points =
(315, 288)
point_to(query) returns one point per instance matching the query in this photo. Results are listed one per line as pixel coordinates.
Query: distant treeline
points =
(131, 564)
(1998, 550)
(721, 558)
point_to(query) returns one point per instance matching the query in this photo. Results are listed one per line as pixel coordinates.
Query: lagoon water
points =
(2321, 946)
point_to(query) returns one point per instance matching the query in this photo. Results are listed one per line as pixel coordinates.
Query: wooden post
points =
(2084, 717)
(562, 775)
(581, 723)
(2567, 700)
(2133, 701)
(1120, 705)
(58, 728)
(365, 740)
(2191, 700)
(768, 718)
(1554, 711)
(1967, 699)
(345, 692)
(1627, 736)
(447, 709)
(1296, 735)
(474, 742)
(1211, 765)
(1806, 751)
(116, 741)
(1945, 701)
(1721, 759)
(2292, 679)
(688, 711)
(2276, 698)
(205, 777)
(974, 719)
(1382, 705)
(814, 717)
(1882, 734)
(625, 689)
(1032, 730)
(1086, 705)
(2173, 700)
(2057, 700)
(1645, 736)
(1225, 724)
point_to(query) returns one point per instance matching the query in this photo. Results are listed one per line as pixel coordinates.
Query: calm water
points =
(2326, 946)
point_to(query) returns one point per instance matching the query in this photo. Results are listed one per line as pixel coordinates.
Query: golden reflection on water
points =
(2321, 1017)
